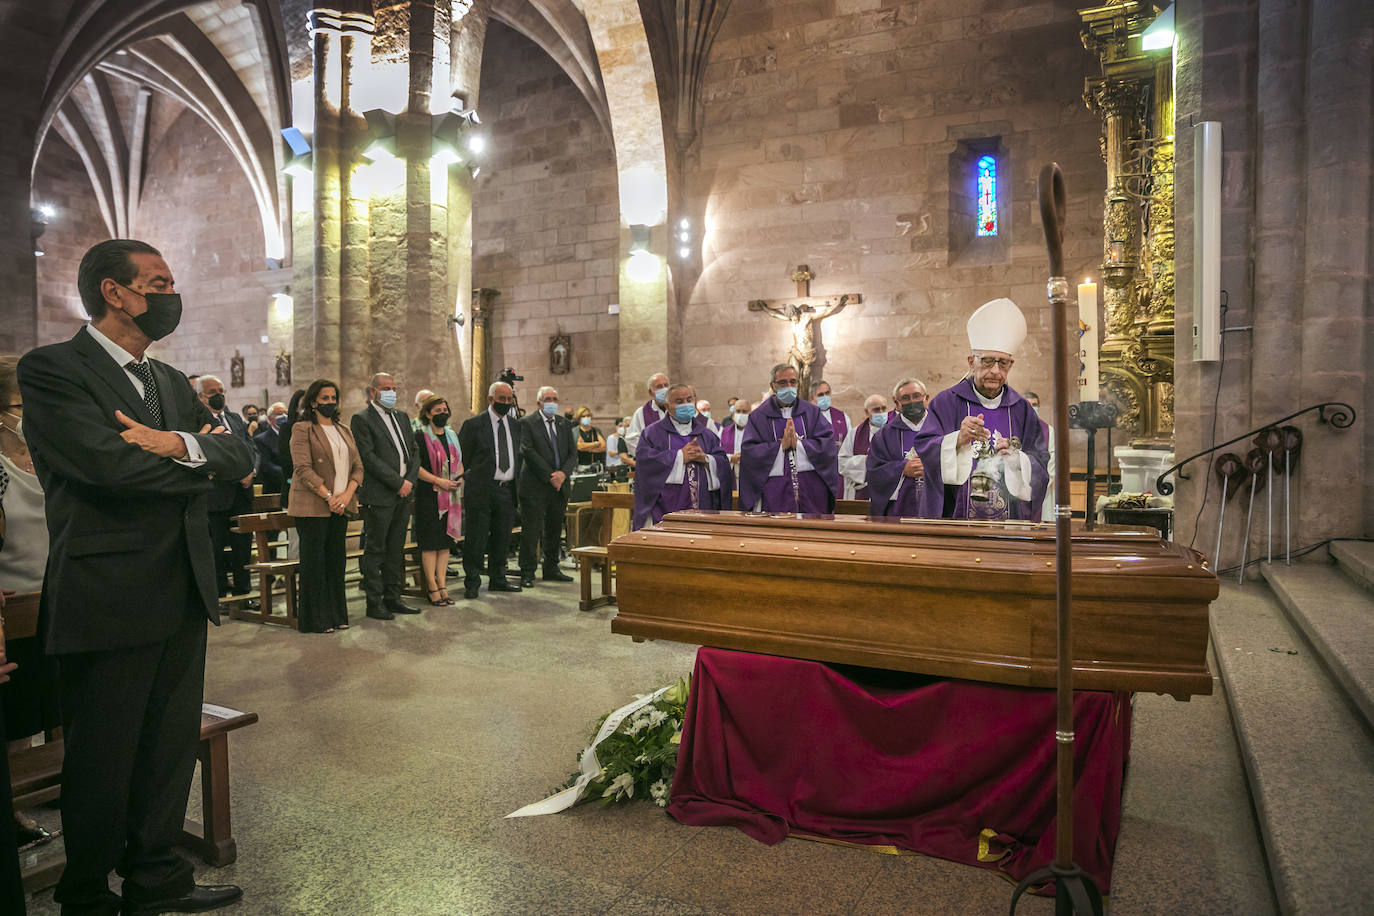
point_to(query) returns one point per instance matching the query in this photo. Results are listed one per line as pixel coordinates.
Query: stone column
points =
(355, 309)
(483, 305)
(318, 327)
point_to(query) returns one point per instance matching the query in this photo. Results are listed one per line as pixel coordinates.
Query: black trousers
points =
(11, 885)
(229, 569)
(322, 603)
(489, 517)
(542, 512)
(383, 563)
(131, 727)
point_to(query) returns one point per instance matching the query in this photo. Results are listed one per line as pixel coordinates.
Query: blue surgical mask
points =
(823, 402)
(706, 414)
(787, 395)
(387, 399)
(684, 412)
(586, 422)
(661, 396)
(879, 420)
(550, 408)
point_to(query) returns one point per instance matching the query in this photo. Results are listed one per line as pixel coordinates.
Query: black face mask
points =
(439, 419)
(914, 411)
(216, 402)
(329, 411)
(163, 315)
(501, 409)
(250, 418)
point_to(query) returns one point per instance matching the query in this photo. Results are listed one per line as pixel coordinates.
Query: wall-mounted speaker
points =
(1207, 241)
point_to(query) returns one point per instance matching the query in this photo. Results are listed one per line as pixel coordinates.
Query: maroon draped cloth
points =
(960, 770)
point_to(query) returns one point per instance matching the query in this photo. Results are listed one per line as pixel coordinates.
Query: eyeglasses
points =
(988, 362)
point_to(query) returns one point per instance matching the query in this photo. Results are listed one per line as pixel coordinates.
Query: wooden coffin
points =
(972, 600)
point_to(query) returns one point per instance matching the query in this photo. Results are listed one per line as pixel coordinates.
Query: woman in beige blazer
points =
(328, 471)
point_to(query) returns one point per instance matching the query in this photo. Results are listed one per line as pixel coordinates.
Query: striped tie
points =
(150, 398)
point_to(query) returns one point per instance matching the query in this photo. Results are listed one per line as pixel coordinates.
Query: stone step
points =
(1337, 619)
(1308, 757)
(1357, 559)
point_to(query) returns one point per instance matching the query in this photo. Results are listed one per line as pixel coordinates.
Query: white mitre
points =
(997, 325)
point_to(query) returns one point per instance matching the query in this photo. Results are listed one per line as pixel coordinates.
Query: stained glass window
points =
(987, 196)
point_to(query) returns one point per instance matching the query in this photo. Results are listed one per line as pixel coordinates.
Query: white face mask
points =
(620, 430)
(18, 427)
(741, 419)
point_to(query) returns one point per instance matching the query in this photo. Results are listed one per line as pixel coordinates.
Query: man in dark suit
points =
(391, 463)
(548, 452)
(229, 498)
(267, 441)
(491, 461)
(130, 581)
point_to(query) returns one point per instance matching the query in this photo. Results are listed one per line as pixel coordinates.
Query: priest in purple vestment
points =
(789, 460)
(680, 463)
(732, 431)
(896, 474)
(982, 446)
(652, 411)
(854, 449)
(839, 422)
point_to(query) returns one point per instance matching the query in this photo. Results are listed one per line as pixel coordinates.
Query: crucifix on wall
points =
(805, 314)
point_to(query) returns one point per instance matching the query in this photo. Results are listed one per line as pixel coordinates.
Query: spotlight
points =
(296, 140)
(684, 253)
(443, 155)
(474, 170)
(381, 124)
(47, 211)
(37, 252)
(639, 238)
(383, 148)
(1160, 33)
(299, 167)
(477, 143)
(684, 223)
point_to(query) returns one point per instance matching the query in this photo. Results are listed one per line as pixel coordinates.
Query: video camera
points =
(509, 377)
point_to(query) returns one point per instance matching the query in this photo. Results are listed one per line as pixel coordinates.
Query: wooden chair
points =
(267, 567)
(598, 557)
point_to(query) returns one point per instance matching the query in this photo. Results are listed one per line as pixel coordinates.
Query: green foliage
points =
(638, 760)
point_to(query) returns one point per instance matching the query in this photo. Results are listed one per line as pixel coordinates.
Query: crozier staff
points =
(983, 447)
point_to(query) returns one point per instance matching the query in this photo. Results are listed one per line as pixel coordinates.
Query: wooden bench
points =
(597, 557)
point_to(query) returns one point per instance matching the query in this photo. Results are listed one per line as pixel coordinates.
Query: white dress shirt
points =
(500, 426)
(195, 457)
(395, 440)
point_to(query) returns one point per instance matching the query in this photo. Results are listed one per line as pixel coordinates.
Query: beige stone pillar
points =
(483, 305)
(317, 328)
(355, 309)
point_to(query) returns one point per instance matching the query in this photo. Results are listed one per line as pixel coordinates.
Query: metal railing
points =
(1341, 416)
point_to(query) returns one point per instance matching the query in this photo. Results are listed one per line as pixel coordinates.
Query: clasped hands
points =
(159, 442)
(973, 429)
(789, 435)
(692, 453)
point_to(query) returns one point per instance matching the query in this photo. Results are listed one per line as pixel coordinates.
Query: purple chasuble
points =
(1012, 417)
(648, 416)
(887, 457)
(654, 459)
(861, 434)
(808, 492)
(839, 429)
(728, 432)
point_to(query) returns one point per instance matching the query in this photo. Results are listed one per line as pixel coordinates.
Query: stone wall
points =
(1293, 89)
(546, 223)
(830, 134)
(61, 181)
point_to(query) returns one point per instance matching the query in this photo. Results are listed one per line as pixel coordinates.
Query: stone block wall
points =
(61, 181)
(546, 223)
(830, 131)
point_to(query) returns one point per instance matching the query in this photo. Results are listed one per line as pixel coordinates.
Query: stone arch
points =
(223, 60)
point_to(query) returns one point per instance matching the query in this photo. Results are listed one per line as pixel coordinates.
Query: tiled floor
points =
(377, 780)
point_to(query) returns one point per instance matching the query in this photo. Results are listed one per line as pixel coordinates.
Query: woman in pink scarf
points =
(438, 496)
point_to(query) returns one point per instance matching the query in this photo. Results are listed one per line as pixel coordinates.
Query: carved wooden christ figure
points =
(805, 314)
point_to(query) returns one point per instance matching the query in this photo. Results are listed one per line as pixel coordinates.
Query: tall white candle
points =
(1087, 353)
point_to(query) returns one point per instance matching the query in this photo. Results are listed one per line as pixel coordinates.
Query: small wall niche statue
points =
(236, 370)
(283, 369)
(560, 354)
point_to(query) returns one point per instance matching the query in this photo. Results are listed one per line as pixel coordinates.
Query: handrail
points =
(1342, 416)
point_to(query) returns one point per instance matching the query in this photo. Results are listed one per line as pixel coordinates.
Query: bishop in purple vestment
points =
(680, 463)
(982, 446)
(789, 459)
(896, 474)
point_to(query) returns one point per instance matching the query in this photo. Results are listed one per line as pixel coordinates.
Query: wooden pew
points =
(595, 556)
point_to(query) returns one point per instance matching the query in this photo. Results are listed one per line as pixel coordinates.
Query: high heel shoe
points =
(439, 602)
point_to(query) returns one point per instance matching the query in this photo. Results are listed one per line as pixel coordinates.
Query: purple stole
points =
(861, 436)
(907, 503)
(837, 423)
(728, 432)
(648, 415)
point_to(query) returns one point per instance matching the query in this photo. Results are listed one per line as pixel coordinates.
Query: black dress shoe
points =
(502, 586)
(401, 607)
(380, 615)
(556, 575)
(527, 581)
(469, 591)
(201, 898)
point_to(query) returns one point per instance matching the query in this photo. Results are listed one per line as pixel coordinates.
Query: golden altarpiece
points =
(1135, 98)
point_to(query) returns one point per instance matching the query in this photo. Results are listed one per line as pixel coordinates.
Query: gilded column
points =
(1119, 102)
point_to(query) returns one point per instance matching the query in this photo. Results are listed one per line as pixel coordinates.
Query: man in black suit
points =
(548, 452)
(130, 581)
(491, 461)
(267, 441)
(229, 498)
(391, 463)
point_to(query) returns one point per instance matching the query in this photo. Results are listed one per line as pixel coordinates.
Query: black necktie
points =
(502, 450)
(400, 439)
(553, 440)
(150, 398)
